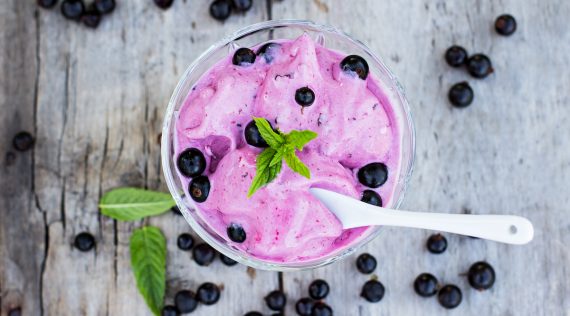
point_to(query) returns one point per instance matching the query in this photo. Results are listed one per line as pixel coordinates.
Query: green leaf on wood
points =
(129, 204)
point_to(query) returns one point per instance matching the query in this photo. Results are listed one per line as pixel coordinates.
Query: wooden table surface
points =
(95, 100)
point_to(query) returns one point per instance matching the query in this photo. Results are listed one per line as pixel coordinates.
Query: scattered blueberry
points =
(449, 296)
(169, 310)
(191, 162)
(23, 141)
(47, 3)
(15, 312)
(253, 137)
(199, 188)
(176, 210)
(481, 276)
(243, 57)
(267, 51)
(185, 301)
(236, 233)
(91, 18)
(371, 197)
(321, 309)
(304, 306)
(220, 9)
(276, 300)
(456, 56)
(372, 291)
(163, 4)
(318, 289)
(460, 94)
(505, 24)
(227, 260)
(436, 243)
(208, 293)
(84, 241)
(104, 6)
(72, 9)
(304, 96)
(254, 313)
(479, 66)
(366, 263)
(373, 174)
(242, 5)
(203, 254)
(425, 285)
(185, 241)
(355, 64)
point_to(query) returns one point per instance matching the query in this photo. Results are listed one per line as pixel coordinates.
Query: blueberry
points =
(449, 296)
(505, 24)
(366, 263)
(456, 56)
(208, 293)
(220, 9)
(242, 5)
(176, 210)
(236, 233)
(253, 137)
(321, 309)
(185, 241)
(371, 197)
(84, 241)
(479, 66)
(199, 188)
(47, 3)
(17, 311)
(304, 306)
(372, 291)
(267, 51)
(373, 174)
(425, 285)
(276, 300)
(243, 57)
(304, 96)
(481, 276)
(318, 289)
(72, 9)
(355, 64)
(203, 254)
(460, 95)
(254, 313)
(191, 162)
(104, 6)
(23, 141)
(185, 301)
(169, 310)
(436, 243)
(91, 18)
(163, 4)
(227, 260)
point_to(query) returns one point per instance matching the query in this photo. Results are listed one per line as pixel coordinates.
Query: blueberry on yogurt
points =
(373, 174)
(191, 162)
(243, 57)
(236, 233)
(199, 188)
(354, 64)
(268, 51)
(371, 197)
(304, 96)
(253, 137)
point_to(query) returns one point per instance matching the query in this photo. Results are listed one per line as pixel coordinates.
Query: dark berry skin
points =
(254, 313)
(23, 141)
(436, 243)
(208, 293)
(72, 9)
(47, 4)
(227, 260)
(371, 197)
(318, 289)
(203, 254)
(304, 96)
(84, 241)
(191, 162)
(185, 241)
(425, 285)
(304, 306)
(355, 64)
(199, 189)
(163, 4)
(481, 276)
(220, 9)
(373, 175)
(243, 57)
(372, 291)
(505, 24)
(91, 18)
(242, 5)
(460, 95)
(366, 263)
(253, 137)
(321, 309)
(267, 51)
(236, 233)
(449, 296)
(276, 300)
(15, 312)
(104, 6)
(169, 310)
(479, 66)
(185, 301)
(456, 56)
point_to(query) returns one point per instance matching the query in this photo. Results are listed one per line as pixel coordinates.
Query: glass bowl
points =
(250, 36)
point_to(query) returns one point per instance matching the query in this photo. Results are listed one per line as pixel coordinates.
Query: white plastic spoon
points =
(354, 213)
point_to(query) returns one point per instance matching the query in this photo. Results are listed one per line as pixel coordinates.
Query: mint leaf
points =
(300, 138)
(148, 261)
(277, 157)
(129, 204)
(297, 165)
(264, 172)
(273, 139)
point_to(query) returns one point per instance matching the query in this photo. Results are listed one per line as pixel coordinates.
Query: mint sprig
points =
(281, 146)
